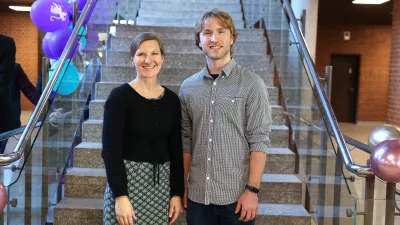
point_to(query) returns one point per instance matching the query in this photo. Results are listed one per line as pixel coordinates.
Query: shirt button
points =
(233, 100)
(209, 159)
(215, 83)
(208, 178)
(211, 121)
(210, 140)
(212, 102)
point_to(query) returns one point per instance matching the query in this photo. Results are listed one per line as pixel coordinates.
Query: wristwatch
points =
(252, 189)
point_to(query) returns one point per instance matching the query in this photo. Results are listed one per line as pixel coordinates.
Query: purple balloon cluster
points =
(55, 17)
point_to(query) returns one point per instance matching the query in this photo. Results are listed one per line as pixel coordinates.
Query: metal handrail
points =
(6, 159)
(16, 131)
(344, 151)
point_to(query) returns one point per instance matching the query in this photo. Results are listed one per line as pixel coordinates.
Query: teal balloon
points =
(82, 44)
(68, 81)
(82, 30)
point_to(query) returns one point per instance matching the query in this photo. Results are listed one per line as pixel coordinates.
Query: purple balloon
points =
(45, 45)
(385, 160)
(51, 15)
(58, 41)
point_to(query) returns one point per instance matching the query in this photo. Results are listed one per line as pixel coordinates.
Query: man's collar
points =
(226, 71)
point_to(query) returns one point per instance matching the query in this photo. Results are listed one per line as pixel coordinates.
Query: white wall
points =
(311, 7)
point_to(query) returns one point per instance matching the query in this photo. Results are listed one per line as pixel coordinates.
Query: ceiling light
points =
(369, 1)
(20, 8)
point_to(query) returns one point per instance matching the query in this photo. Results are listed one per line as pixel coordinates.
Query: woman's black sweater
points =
(141, 130)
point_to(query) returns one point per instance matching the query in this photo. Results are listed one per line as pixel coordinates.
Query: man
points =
(7, 62)
(226, 119)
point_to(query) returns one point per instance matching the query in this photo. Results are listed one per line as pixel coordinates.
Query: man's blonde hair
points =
(224, 18)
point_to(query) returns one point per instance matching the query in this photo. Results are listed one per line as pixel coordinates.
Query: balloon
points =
(82, 44)
(45, 45)
(58, 41)
(3, 197)
(81, 4)
(51, 15)
(382, 133)
(68, 80)
(385, 160)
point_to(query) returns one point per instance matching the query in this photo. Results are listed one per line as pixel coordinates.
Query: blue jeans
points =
(199, 214)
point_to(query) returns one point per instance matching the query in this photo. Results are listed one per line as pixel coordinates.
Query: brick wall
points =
(372, 43)
(394, 84)
(19, 26)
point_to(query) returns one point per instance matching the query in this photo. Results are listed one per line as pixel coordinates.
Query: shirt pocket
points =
(232, 109)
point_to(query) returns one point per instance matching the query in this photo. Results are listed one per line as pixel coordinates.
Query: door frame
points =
(357, 79)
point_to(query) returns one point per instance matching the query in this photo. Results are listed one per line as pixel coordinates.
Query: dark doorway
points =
(345, 86)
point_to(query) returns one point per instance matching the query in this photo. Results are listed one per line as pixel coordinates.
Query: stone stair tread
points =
(316, 152)
(281, 178)
(316, 179)
(282, 210)
(80, 203)
(92, 145)
(84, 172)
(273, 127)
(199, 53)
(181, 29)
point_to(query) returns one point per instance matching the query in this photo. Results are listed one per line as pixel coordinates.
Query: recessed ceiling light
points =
(20, 8)
(376, 2)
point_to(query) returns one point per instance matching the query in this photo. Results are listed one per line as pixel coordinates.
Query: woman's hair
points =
(142, 37)
(226, 22)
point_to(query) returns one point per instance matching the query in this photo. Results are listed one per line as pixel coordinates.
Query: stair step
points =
(194, 1)
(175, 22)
(279, 160)
(191, 60)
(85, 211)
(91, 183)
(193, 15)
(184, 33)
(79, 211)
(92, 132)
(85, 182)
(189, 6)
(96, 111)
(166, 75)
(280, 188)
(282, 214)
(188, 46)
(103, 90)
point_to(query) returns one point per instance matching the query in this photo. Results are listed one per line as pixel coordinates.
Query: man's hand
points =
(248, 206)
(175, 207)
(124, 211)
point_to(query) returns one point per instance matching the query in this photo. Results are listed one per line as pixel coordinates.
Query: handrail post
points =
(390, 200)
(369, 200)
(328, 82)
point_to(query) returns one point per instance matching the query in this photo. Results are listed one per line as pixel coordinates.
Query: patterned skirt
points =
(150, 200)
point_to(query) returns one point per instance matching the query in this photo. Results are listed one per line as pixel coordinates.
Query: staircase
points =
(282, 193)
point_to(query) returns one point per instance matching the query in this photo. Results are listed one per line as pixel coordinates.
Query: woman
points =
(142, 148)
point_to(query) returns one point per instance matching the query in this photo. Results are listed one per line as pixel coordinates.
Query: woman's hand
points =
(124, 211)
(175, 207)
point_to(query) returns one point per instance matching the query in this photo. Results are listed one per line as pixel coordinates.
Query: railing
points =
(314, 130)
(33, 172)
(6, 159)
